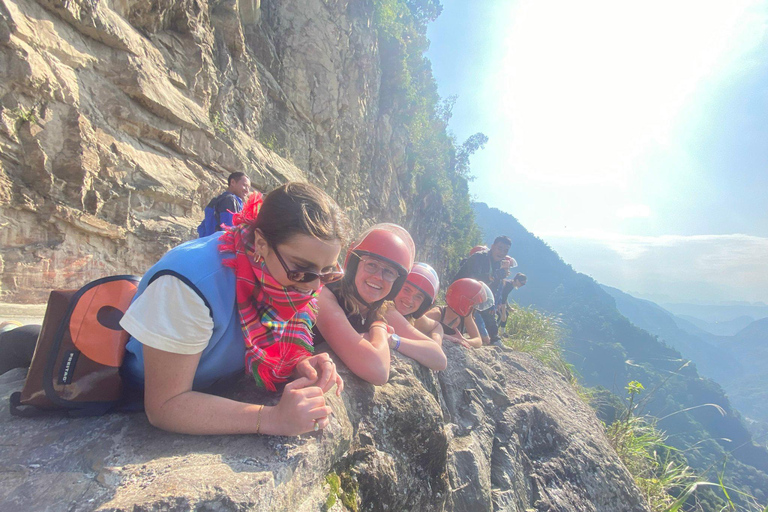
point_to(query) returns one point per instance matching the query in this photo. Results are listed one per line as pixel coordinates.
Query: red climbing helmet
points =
(388, 242)
(478, 248)
(424, 278)
(465, 293)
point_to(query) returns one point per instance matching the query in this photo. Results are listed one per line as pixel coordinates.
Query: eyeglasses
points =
(305, 276)
(373, 267)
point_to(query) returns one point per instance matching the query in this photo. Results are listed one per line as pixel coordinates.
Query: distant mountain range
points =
(738, 362)
(722, 328)
(692, 342)
(608, 350)
(719, 313)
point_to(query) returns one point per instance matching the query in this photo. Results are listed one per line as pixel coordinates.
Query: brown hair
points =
(301, 209)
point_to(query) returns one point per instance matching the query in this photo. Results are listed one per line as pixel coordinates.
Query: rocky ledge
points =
(495, 431)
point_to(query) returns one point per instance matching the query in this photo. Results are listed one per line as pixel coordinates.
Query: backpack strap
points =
(217, 207)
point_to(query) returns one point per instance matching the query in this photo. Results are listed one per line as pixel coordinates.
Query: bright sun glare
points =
(591, 85)
(600, 113)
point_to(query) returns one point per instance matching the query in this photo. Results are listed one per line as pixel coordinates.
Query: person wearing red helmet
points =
(350, 317)
(489, 267)
(420, 338)
(463, 298)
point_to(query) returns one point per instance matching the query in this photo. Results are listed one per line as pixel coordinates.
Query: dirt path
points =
(24, 313)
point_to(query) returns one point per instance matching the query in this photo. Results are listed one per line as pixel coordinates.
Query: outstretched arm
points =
(415, 344)
(473, 337)
(366, 355)
(431, 328)
(171, 404)
(174, 326)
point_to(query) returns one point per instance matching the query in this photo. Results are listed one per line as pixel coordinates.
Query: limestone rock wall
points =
(120, 119)
(495, 431)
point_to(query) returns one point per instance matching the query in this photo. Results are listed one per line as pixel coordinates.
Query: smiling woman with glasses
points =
(350, 317)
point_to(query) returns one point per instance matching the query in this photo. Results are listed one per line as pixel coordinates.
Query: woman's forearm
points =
(427, 352)
(302, 408)
(198, 413)
(376, 369)
(476, 342)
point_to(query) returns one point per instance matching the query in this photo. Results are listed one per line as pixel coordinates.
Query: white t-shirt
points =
(171, 317)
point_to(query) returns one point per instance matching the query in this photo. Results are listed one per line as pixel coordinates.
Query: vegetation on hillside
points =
(607, 352)
(661, 471)
(441, 218)
(603, 346)
(538, 334)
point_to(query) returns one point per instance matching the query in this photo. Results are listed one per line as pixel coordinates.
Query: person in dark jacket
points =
(486, 266)
(502, 307)
(221, 208)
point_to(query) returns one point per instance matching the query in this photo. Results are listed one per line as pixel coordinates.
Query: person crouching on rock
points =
(463, 298)
(417, 336)
(350, 314)
(243, 299)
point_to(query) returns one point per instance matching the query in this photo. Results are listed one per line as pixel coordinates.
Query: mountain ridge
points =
(608, 350)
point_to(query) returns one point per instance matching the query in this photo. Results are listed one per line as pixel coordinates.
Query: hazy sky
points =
(631, 136)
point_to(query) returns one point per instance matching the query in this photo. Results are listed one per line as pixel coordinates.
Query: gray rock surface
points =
(495, 431)
(119, 120)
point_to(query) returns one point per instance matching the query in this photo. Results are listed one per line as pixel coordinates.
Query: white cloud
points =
(698, 267)
(634, 211)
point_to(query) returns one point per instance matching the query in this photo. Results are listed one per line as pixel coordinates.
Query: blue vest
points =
(199, 264)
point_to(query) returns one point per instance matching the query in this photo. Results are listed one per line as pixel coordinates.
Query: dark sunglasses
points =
(305, 276)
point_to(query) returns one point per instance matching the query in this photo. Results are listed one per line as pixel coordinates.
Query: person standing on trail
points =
(490, 267)
(502, 308)
(221, 208)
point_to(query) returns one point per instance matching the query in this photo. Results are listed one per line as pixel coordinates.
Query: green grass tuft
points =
(538, 334)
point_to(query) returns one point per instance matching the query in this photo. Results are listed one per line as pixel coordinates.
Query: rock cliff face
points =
(120, 119)
(495, 431)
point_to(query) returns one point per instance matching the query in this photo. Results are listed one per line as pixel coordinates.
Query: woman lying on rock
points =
(420, 338)
(244, 299)
(463, 298)
(351, 317)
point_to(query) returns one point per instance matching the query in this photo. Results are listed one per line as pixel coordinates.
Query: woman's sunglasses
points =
(305, 276)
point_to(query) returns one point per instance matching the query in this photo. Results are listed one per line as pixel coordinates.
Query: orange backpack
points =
(76, 364)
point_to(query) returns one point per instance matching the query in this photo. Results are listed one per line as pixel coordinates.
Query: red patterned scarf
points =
(276, 321)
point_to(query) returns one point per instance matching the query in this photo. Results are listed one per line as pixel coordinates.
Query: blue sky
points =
(632, 137)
